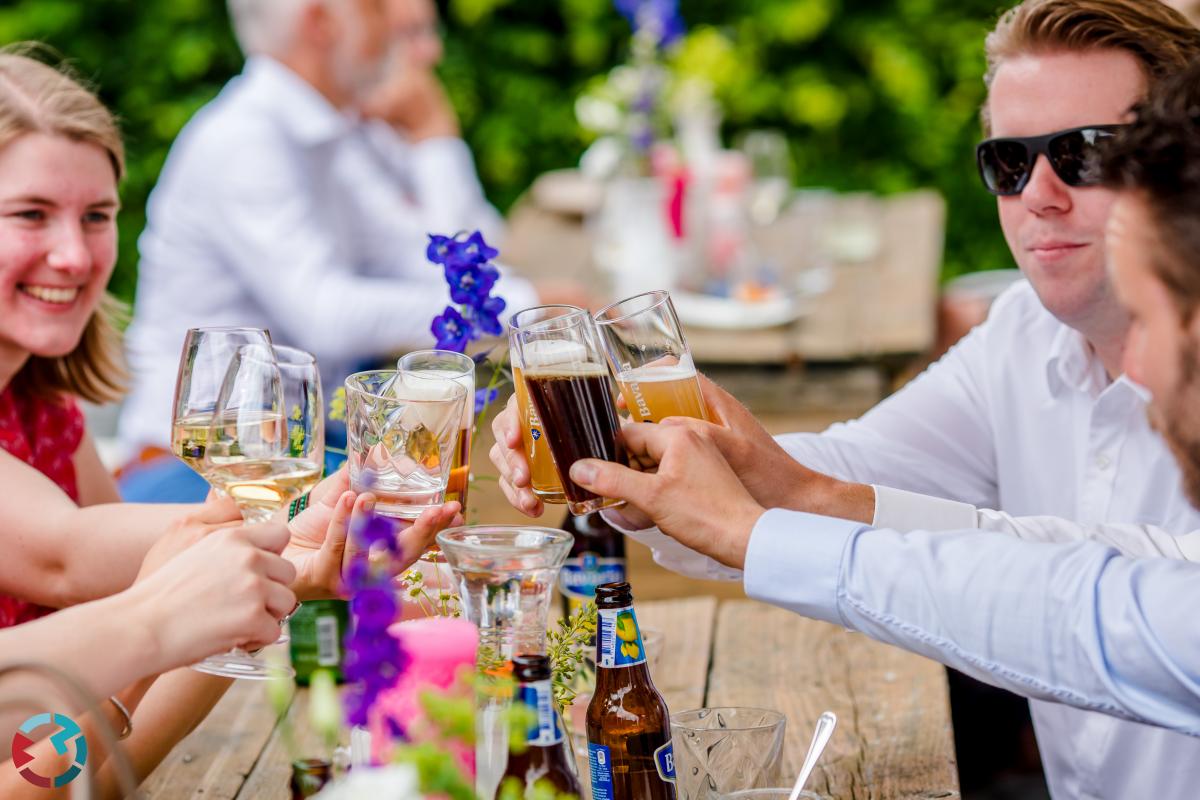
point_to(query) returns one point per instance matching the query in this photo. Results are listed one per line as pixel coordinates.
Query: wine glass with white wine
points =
(265, 448)
(202, 367)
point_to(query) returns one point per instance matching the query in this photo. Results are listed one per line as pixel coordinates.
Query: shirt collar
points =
(302, 109)
(1071, 364)
(1074, 365)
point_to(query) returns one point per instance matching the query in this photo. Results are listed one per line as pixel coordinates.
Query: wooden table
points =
(893, 738)
(881, 306)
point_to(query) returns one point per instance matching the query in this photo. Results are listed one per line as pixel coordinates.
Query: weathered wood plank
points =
(894, 738)
(681, 669)
(272, 773)
(213, 761)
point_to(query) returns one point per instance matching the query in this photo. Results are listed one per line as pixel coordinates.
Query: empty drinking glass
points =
(722, 750)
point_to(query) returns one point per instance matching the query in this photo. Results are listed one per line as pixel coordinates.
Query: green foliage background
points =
(873, 94)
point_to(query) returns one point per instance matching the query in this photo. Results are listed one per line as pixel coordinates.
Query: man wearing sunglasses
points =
(1074, 623)
(1030, 414)
(1068, 623)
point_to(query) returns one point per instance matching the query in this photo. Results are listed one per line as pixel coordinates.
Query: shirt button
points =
(1103, 461)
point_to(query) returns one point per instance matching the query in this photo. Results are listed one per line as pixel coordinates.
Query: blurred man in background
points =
(299, 200)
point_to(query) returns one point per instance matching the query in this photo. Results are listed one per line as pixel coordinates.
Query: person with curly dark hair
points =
(1154, 253)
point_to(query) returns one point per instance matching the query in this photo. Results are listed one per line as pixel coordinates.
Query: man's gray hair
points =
(265, 26)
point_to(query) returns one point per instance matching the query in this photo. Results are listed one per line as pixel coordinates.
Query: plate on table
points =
(727, 313)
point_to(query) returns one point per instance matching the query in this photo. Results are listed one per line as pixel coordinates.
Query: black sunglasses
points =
(1006, 164)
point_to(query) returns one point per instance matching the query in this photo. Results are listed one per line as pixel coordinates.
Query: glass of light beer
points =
(650, 357)
(446, 365)
(542, 472)
(568, 382)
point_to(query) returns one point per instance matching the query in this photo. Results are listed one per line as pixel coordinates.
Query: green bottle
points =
(317, 629)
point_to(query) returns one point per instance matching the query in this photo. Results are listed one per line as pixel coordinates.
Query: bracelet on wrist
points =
(125, 715)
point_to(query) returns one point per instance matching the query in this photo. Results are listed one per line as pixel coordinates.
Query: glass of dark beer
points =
(572, 392)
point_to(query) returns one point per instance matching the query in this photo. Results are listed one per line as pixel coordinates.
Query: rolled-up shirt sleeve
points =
(1075, 623)
(906, 511)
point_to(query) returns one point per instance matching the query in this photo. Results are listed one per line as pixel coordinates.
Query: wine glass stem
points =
(254, 516)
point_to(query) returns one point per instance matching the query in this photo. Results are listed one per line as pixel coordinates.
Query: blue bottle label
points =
(619, 638)
(582, 574)
(600, 763)
(545, 730)
(664, 760)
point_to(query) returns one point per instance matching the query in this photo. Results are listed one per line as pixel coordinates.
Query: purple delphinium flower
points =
(660, 16)
(451, 330)
(374, 658)
(471, 277)
(470, 284)
(378, 530)
(438, 249)
(479, 250)
(483, 398)
(486, 316)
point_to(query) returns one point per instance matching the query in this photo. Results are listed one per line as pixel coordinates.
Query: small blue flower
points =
(439, 248)
(377, 530)
(451, 330)
(470, 284)
(483, 398)
(374, 607)
(486, 316)
(479, 250)
(661, 16)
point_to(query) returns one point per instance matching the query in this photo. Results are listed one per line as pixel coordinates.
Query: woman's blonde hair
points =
(37, 98)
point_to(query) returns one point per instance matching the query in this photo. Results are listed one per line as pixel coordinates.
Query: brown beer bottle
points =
(597, 556)
(546, 757)
(628, 725)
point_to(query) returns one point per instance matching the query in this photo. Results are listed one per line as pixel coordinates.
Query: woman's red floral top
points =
(45, 434)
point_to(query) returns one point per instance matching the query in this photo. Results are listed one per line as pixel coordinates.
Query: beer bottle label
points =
(539, 697)
(600, 764)
(582, 574)
(620, 638)
(664, 761)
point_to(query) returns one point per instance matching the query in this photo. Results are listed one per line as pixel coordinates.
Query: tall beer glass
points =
(572, 392)
(645, 346)
(446, 365)
(542, 472)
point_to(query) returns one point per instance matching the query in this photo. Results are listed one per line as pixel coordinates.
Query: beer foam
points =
(550, 352)
(655, 374)
(435, 384)
(567, 371)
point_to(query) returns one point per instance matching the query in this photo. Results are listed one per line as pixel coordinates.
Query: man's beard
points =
(1180, 424)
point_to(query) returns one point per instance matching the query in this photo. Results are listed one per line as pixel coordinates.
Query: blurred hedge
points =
(874, 94)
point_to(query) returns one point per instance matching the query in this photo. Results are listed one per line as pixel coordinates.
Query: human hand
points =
(228, 589)
(692, 495)
(413, 102)
(215, 513)
(773, 477)
(509, 457)
(321, 546)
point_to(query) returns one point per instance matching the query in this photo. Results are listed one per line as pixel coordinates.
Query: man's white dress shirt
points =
(274, 209)
(1073, 623)
(1020, 416)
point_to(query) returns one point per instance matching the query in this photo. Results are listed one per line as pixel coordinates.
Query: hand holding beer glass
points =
(543, 476)
(650, 358)
(568, 382)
